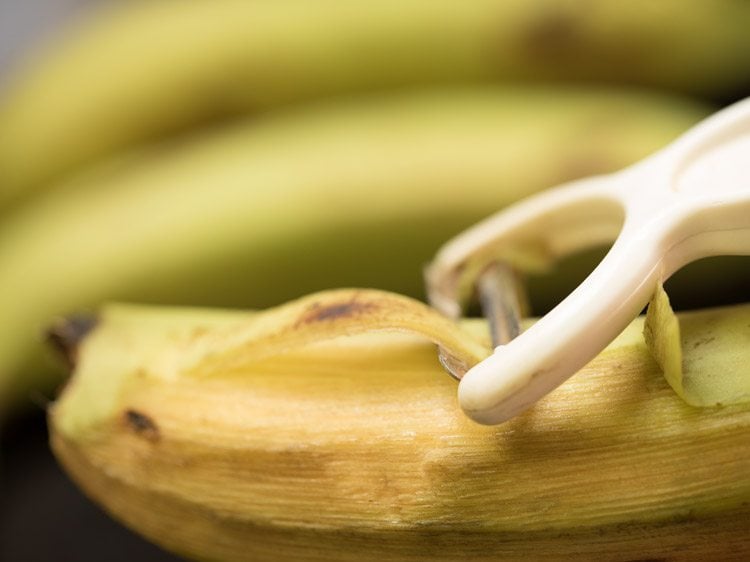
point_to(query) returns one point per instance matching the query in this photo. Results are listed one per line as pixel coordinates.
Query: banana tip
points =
(66, 334)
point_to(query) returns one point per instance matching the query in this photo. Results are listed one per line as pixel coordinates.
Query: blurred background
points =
(43, 516)
(25, 24)
(245, 153)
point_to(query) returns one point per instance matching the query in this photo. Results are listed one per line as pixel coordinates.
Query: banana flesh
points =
(143, 70)
(358, 194)
(306, 432)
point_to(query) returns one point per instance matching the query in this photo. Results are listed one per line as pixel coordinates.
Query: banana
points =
(144, 70)
(353, 194)
(326, 429)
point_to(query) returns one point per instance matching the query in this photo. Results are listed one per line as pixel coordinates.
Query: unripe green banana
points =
(228, 436)
(359, 194)
(143, 70)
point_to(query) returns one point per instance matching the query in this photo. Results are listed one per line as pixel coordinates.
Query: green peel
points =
(704, 370)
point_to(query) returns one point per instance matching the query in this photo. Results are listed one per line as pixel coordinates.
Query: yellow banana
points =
(233, 436)
(358, 194)
(143, 70)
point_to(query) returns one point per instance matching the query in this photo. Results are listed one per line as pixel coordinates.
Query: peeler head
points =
(529, 237)
(661, 213)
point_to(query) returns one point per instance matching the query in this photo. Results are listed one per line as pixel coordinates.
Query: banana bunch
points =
(357, 194)
(118, 205)
(326, 429)
(145, 70)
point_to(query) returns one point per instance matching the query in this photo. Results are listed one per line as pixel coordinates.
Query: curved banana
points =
(349, 195)
(143, 70)
(228, 436)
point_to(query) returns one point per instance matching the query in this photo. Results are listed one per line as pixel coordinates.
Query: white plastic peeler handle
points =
(688, 201)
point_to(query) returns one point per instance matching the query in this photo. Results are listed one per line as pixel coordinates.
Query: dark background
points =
(44, 517)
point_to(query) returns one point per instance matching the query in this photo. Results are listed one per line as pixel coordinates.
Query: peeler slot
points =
(499, 298)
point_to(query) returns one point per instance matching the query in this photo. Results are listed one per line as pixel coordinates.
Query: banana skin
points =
(183, 427)
(141, 71)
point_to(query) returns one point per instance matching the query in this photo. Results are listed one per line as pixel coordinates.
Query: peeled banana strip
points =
(342, 443)
(140, 71)
(711, 376)
(356, 194)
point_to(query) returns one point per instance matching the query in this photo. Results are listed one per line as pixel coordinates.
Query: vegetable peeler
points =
(688, 201)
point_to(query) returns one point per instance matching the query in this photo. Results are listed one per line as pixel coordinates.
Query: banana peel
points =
(715, 376)
(326, 429)
(353, 194)
(140, 71)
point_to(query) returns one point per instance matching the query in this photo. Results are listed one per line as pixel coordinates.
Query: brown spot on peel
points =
(142, 425)
(702, 341)
(333, 311)
(66, 334)
(557, 39)
(554, 35)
